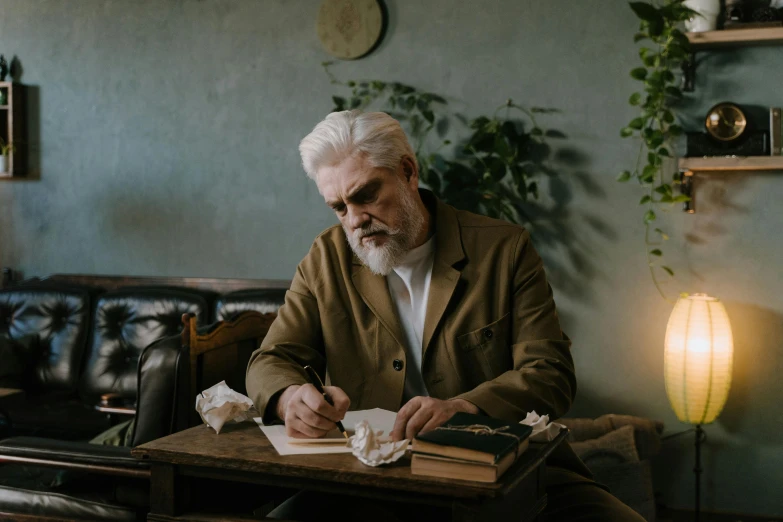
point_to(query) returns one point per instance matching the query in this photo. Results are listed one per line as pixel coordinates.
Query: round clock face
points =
(726, 122)
(349, 29)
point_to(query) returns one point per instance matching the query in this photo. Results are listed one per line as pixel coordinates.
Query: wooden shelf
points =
(735, 38)
(728, 164)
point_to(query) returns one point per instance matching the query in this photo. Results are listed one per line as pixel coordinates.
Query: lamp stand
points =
(701, 437)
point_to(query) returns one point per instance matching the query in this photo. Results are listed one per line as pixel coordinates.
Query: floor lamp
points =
(698, 355)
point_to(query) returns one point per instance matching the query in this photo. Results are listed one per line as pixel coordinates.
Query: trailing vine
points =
(666, 49)
(492, 171)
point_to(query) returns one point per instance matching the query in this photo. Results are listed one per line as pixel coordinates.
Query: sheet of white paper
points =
(380, 420)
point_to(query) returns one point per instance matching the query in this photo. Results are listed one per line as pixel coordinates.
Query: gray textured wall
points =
(165, 131)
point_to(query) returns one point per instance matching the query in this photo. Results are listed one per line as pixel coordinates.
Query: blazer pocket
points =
(488, 347)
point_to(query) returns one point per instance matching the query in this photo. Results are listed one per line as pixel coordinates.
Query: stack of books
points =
(469, 447)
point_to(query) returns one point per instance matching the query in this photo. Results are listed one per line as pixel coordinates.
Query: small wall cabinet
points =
(11, 129)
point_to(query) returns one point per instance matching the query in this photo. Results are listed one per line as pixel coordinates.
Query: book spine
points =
(775, 132)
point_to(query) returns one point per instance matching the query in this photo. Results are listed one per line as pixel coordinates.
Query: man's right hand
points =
(306, 413)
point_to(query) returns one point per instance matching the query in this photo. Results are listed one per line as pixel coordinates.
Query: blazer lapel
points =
(375, 293)
(448, 252)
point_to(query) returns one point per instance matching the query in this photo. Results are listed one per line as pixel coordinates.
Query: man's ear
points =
(409, 168)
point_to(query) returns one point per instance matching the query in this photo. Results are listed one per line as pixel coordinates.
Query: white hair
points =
(341, 135)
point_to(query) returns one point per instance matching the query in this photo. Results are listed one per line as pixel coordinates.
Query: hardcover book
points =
(474, 438)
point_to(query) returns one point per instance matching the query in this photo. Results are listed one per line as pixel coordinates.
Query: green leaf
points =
(638, 37)
(668, 270)
(636, 123)
(656, 252)
(656, 26)
(640, 73)
(536, 132)
(645, 199)
(668, 116)
(649, 171)
(682, 198)
(626, 132)
(429, 116)
(675, 130)
(635, 99)
(663, 189)
(649, 216)
(646, 11)
(624, 176)
(663, 151)
(355, 102)
(673, 92)
(663, 234)
(339, 102)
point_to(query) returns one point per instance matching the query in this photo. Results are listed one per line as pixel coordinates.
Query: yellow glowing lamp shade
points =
(698, 358)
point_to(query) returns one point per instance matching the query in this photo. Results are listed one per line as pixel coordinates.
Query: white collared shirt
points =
(409, 285)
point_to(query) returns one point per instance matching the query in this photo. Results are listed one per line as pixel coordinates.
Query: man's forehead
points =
(335, 182)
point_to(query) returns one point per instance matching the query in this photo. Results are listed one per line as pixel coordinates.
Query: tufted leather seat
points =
(263, 300)
(59, 317)
(126, 321)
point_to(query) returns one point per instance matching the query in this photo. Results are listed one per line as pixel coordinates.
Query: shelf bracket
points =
(689, 73)
(686, 189)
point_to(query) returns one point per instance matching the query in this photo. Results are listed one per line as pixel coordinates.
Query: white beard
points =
(381, 260)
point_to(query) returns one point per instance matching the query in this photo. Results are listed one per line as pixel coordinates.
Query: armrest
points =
(119, 410)
(113, 403)
(112, 460)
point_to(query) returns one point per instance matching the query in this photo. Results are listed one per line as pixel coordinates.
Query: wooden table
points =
(242, 453)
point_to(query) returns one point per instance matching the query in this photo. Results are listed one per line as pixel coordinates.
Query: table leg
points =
(167, 490)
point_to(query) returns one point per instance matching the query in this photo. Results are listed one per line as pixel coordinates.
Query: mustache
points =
(372, 229)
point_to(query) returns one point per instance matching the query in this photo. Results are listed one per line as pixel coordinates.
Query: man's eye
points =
(339, 208)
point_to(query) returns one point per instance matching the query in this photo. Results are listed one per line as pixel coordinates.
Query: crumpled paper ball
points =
(367, 447)
(543, 430)
(220, 404)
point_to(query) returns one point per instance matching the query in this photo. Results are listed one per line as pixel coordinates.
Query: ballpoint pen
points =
(316, 381)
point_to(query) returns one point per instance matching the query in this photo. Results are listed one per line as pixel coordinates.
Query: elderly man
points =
(416, 307)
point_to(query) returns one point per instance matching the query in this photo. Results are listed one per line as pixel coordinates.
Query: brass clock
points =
(726, 122)
(349, 29)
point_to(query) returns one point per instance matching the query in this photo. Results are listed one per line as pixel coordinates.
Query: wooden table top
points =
(244, 447)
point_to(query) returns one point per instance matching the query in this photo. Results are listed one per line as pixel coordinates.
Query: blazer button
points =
(397, 364)
(487, 333)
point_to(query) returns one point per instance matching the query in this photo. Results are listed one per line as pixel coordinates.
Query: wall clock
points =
(350, 29)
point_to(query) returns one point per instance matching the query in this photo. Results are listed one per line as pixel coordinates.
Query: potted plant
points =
(5, 149)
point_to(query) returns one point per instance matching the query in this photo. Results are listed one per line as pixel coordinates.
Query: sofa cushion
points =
(615, 447)
(263, 300)
(56, 414)
(51, 504)
(647, 432)
(125, 322)
(59, 317)
(15, 356)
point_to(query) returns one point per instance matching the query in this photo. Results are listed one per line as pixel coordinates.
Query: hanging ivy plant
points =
(492, 171)
(662, 54)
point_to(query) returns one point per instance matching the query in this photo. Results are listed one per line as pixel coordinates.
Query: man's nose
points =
(357, 217)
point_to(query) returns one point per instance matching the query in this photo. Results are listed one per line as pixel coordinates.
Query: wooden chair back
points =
(220, 352)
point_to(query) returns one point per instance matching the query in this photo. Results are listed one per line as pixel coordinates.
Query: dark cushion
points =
(59, 317)
(126, 321)
(263, 300)
(15, 357)
(56, 414)
(51, 504)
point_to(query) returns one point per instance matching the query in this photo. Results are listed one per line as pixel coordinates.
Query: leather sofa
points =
(91, 482)
(73, 343)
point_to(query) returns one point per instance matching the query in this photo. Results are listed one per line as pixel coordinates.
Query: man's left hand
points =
(422, 414)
